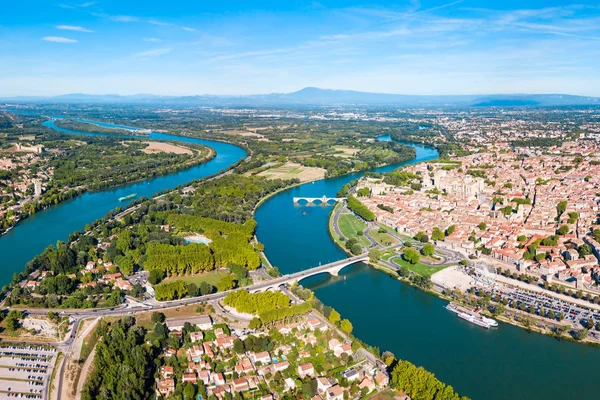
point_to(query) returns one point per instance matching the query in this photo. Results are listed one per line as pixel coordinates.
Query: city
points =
(326, 200)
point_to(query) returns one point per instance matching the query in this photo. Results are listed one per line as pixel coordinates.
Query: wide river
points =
(502, 363)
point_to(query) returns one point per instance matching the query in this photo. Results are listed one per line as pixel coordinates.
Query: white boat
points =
(474, 320)
(490, 321)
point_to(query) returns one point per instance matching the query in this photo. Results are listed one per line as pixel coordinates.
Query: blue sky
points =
(177, 47)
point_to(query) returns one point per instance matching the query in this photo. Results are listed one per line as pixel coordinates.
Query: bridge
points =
(333, 269)
(315, 200)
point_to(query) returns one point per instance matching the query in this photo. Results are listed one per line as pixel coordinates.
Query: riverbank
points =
(73, 193)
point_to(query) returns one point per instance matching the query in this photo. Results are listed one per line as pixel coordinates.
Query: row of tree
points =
(360, 209)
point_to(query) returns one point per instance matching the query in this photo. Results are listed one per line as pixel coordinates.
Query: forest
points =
(124, 364)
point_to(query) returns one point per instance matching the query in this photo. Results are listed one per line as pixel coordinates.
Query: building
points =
(203, 322)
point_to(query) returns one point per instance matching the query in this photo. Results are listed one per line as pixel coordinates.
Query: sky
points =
(188, 47)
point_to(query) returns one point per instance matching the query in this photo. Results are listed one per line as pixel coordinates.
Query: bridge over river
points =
(317, 200)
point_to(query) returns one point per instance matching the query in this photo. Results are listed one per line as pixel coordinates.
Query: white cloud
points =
(58, 39)
(74, 28)
(188, 29)
(124, 18)
(159, 23)
(152, 53)
(153, 40)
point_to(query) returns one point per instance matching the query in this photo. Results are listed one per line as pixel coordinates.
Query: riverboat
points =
(472, 316)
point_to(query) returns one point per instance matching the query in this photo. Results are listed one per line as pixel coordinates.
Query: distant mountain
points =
(327, 97)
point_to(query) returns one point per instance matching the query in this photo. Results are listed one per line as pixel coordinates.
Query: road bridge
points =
(317, 200)
(333, 269)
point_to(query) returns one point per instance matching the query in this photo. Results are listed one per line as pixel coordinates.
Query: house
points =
(280, 366)
(195, 353)
(381, 378)
(207, 350)
(166, 371)
(244, 366)
(305, 370)
(219, 391)
(203, 322)
(196, 337)
(32, 284)
(169, 352)
(323, 384)
(335, 392)
(351, 375)
(204, 376)
(224, 342)
(219, 332)
(111, 277)
(315, 323)
(189, 377)
(367, 383)
(219, 379)
(289, 384)
(123, 284)
(262, 357)
(240, 384)
(165, 386)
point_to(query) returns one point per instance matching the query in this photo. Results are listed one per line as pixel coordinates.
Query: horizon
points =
(286, 93)
(235, 48)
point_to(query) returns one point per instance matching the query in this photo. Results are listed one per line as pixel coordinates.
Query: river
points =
(502, 363)
(32, 235)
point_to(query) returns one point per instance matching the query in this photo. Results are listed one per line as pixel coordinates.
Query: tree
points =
(482, 226)
(411, 256)
(563, 230)
(189, 391)
(334, 317)
(374, 255)
(238, 346)
(437, 234)
(156, 276)
(356, 249)
(226, 283)
(403, 272)
(205, 288)
(13, 320)
(580, 334)
(561, 207)
(346, 326)
(551, 314)
(427, 250)
(255, 323)
(451, 229)
(157, 317)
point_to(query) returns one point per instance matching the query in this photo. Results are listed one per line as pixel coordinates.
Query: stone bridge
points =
(333, 269)
(315, 200)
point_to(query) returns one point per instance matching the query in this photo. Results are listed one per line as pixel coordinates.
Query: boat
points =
(452, 307)
(474, 320)
(472, 316)
(129, 197)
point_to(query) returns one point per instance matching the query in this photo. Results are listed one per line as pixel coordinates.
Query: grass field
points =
(420, 269)
(212, 277)
(383, 238)
(292, 170)
(350, 225)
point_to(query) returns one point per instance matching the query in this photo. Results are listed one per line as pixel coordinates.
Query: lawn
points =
(350, 225)
(212, 277)
(421, 269)
(383, 238)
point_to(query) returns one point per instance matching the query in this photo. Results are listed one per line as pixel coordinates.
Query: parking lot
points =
(25, 370)
(574, 313)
